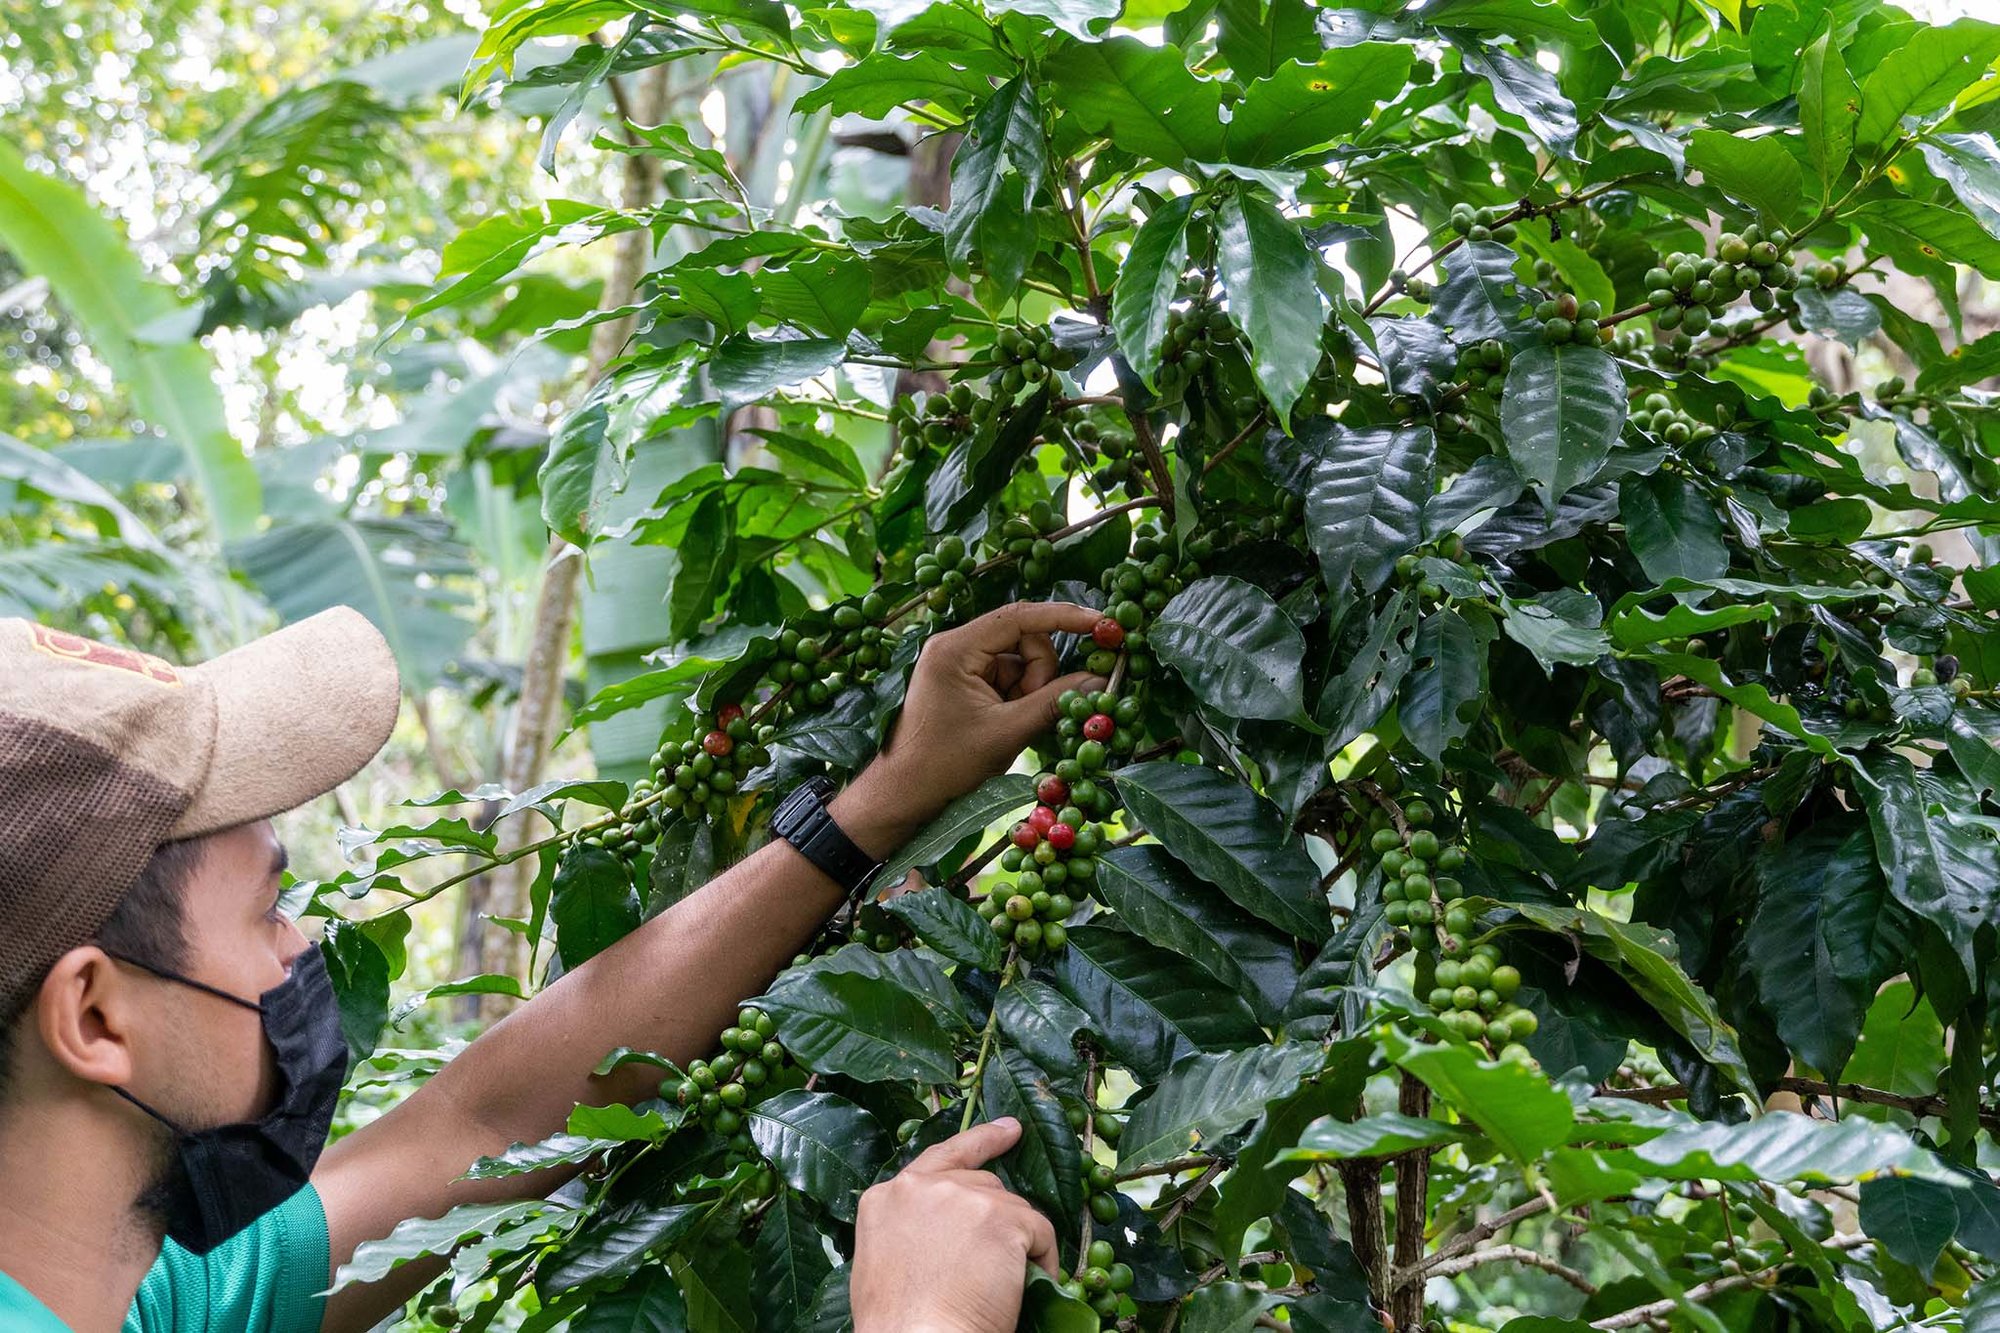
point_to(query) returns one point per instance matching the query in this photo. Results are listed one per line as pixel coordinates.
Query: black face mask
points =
(232, 1175)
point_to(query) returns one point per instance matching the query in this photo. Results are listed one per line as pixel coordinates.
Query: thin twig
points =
(1509, 1254)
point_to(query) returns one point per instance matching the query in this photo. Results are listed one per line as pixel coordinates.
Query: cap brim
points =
(298, 713)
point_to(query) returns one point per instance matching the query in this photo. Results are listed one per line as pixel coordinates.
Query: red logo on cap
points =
(76, 648)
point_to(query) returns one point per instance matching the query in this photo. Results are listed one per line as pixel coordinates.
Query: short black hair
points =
(148, 924)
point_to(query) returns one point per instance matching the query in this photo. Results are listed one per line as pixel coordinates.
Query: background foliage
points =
(1544, 455)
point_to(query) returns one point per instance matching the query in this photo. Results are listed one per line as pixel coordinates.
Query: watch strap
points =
(804, 821)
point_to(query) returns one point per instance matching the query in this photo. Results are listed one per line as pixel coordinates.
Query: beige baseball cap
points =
(106, 753)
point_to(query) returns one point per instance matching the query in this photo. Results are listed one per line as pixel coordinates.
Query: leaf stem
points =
(986, 1041)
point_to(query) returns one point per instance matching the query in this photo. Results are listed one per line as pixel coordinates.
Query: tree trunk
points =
(1361, 1182)
(505, 892)
(1413, 1175)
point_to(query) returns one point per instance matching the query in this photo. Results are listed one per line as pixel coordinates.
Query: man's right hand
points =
(943, 1246)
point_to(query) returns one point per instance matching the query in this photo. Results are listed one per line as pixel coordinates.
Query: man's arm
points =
(978, 695)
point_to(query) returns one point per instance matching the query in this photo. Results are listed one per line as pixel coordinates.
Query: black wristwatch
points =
(802, 820)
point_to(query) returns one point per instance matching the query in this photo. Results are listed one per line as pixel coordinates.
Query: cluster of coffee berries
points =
(859, 640)
(1280, 524)
(1197, 334)
(1026, 356)
(1468, 985)
(1025, 538)
(1101, 1280)
(1053, 856)
(1113, 445)
(1482, 366)
(1410, 569)
(639, 827)
(1420, 290)
(1482, 224)
(698, 775)
(1564, 319)
(1688, 291)
(717, 1090)
(937, 421)
(1139, 588)
(945, 572)
(1657, 415)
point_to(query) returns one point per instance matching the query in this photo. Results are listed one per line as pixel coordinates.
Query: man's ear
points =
(83, 1014)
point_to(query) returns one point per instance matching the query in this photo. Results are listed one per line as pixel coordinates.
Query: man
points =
(168, 1051)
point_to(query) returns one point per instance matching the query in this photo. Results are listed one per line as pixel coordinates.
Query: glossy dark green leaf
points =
(617, 1242)
(1148, 283)
(1045, 1166)
(1517, 1106)
(1151, 1007)
(1355, 698)
(790, 1263)
(1167, 903)
(881, 81)
(1143, 97)
(948, 925)
(594, 904)
(1825, 934)
(1207, 1096)
(649, 1303)
(1561, 413)
(1947, 873)
(359, 971)
(1365, 502)
(824, 1146)
(745, 369)
(1786, 1147)
(1258, 1184)
(992, 800)
(1526, 89)
(981, 463)
(1922, 75)
(1233, 838)
(1759, 171)
(1302, 104)
(1446, 681)
(1480, 296)
(1225, 1307)
(1648, 959)
(556, 1150)
(1046, 1308)
(1842, 313)
(856, 1012)
(1672, 527)
(1829, 106)
(1235, 649)
(1272, 280)
(1042, 1024)
(824, 293)
(994, 176)
(1910, 1218)
(1382, 1134)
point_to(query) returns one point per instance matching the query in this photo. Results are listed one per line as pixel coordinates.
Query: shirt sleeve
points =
(269, 1279)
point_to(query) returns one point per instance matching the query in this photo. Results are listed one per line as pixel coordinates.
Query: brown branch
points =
(1216, 458)
(1645, 1314)
(1089, 1138)
(1186, 1200)
(1509, 1254)
(1467, 1241)
(1175, 1167)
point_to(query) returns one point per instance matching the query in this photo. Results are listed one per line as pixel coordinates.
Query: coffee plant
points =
(1533, 861)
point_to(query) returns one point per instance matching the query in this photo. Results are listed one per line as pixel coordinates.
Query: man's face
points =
(204, 1061)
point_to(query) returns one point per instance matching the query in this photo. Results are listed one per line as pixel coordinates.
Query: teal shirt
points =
(267, 1280)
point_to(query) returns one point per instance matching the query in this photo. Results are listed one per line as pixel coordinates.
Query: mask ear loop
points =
(253, 1006)
(172, 1128)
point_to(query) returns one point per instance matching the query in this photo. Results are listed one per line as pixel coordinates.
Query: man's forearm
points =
(669, 987)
